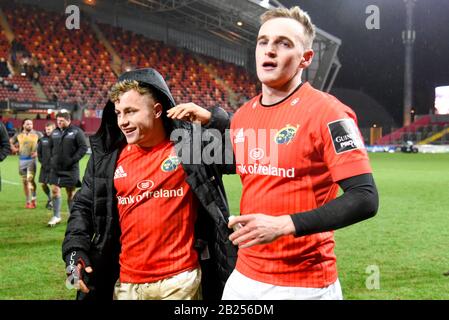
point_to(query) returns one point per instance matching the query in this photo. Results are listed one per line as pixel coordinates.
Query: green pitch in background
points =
(401, 253)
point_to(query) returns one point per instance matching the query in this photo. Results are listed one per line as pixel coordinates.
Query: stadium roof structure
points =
(237, 22)
(234, 24)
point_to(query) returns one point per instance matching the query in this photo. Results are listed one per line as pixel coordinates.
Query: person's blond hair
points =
(126, 85)
(295, 13)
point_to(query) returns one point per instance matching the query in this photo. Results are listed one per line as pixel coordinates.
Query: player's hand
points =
(34, 155)
(190, 112)
(77, 269)
(14, 149)
(259, 229)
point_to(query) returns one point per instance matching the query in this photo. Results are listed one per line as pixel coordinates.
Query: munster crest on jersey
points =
(286, 134)
(170, 164)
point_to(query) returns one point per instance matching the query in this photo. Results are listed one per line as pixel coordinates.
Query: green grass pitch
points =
(399, 254)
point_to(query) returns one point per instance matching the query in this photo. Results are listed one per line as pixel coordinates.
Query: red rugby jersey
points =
(157, 214)
(312, 142)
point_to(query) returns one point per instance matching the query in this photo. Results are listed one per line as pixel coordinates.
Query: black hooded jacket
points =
(68, 148)
(5, 148)
(93, 225)
(44, 152)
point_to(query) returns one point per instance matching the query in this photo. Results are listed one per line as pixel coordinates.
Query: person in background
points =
(44, 157)
(25, 143)
(5, 147)
(148, 223)
(68, 146)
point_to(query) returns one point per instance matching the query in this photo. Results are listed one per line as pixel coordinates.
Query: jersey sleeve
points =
(342, 144)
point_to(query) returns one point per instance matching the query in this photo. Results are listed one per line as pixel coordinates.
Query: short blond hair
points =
(295, 13)
(126, 85)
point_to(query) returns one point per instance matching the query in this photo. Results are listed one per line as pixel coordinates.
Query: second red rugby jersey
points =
(157, 212)
(289, 157)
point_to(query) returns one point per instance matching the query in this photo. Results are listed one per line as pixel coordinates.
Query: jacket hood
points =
(152, 78)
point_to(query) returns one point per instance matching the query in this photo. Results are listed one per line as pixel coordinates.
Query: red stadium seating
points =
(188, 79)
(77, 67)
(26, 91)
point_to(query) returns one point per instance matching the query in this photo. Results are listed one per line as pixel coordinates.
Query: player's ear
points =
(157, 110)
(306, 59)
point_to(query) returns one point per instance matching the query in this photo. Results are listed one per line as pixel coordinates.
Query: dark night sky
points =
(373, 60)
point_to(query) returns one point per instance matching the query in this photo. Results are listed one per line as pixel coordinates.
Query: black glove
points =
(74, 274)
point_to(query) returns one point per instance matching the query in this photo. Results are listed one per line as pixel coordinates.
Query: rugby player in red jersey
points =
(294, 146)
(147, 224)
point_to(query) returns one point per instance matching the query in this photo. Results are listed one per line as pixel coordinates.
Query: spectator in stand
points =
(4, 71)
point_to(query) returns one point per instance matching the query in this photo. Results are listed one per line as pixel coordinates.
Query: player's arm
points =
(359, 202)
(229, 165)
(39, 150)
(221, 121)
(5, 147)
(349, 166)
(34, 154)
(50, 147)
(80, 230)
(217, 119)
(190, 112)
(34, 150)
(82, 147)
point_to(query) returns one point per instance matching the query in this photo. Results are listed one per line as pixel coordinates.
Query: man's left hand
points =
(260, 229)
(190, 112)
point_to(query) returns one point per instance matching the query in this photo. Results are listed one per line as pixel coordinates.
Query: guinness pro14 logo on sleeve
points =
(345, 135)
